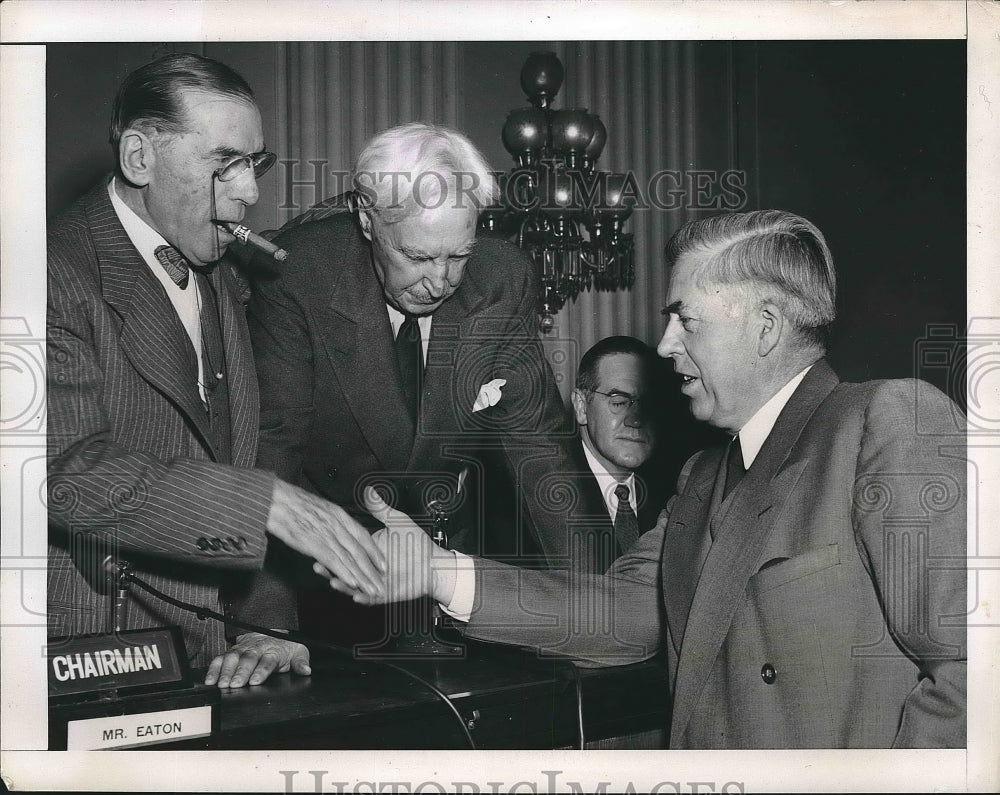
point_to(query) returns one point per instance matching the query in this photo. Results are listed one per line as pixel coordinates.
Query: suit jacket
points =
(589, 520)
(132, 470)
(829, 609)
(333, 417)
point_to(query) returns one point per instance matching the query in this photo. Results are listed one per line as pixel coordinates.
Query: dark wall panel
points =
(867, 139)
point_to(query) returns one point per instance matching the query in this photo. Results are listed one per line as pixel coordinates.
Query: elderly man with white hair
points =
(397, 348)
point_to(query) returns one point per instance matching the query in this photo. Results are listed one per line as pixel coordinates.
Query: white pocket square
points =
(489, 394)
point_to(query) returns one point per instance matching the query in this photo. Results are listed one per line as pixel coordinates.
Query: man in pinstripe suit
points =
(152, 396)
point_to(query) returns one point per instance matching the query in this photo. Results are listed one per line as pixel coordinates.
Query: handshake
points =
(412, 565)
(397, 563)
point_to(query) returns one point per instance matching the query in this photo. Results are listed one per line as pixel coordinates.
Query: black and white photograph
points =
(608, 388)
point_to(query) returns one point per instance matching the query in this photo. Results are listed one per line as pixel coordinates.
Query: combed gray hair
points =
(775, 255)
(151, 96)
(417, 166)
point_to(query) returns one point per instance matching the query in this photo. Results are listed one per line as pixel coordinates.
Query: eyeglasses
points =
(619, 403)
(260, 162)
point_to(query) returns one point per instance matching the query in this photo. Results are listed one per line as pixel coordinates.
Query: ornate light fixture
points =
(555, 204)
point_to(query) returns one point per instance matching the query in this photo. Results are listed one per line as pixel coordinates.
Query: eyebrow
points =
(674, 308)
(416, 253)
(228, 151)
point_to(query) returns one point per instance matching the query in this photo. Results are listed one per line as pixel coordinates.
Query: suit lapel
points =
(152, 337)
(444, 399)
(358, 340)
(742, 526)
(590, 515)
(649, 496)
(592, 504)
(686, 544)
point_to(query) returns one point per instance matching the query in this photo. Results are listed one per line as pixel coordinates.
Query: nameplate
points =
(143, 658)
(138, 729)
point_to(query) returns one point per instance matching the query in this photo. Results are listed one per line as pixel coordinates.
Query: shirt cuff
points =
(460, 606)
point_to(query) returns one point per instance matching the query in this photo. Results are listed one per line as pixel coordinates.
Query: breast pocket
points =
(778, 572)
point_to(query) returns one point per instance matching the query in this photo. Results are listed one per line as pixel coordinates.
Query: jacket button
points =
(768, 674)
(331, 472)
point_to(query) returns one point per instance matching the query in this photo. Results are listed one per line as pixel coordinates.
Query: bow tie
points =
(174, 264)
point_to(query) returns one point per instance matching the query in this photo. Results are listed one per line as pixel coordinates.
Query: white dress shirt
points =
(752, 437)
(756, 430)
(186, 301)
(607, 483)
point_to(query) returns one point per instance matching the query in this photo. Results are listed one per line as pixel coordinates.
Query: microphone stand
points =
(121, 571)
(418, 629)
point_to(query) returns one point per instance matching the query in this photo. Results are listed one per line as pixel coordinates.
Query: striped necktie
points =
(626, 522)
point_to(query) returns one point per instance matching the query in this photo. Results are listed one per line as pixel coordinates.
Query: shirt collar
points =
(607, 482)
(755, 432)
(143, 236)
(396, 319)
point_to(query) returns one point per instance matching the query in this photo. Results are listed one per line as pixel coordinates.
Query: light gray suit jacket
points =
(131, 465)
(828, 611)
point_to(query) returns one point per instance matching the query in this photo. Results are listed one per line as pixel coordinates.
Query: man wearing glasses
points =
(152, 395)
(616, 385)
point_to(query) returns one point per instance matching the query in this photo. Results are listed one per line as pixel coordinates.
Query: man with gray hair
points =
(396, 348)
(152, 396)
(807, 582)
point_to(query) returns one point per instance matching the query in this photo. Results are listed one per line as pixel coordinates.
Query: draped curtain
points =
(645, 92)
(667, 105)
(333, 96)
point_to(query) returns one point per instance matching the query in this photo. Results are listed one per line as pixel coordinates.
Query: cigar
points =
(245, 236)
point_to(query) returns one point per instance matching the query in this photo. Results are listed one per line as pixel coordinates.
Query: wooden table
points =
(508, 698)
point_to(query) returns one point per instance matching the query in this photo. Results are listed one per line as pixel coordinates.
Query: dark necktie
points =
(734, 466)
(410, 361)
(213, 365)
(626, 522)
(174, 264)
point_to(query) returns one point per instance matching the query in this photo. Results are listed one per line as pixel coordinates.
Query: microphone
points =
(120, 570)
(249, 238)
(441, 515)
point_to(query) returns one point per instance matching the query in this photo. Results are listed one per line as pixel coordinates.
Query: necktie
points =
(213, 361)
(626, 522)
(410, 361)
(174, 264)
(734, 466)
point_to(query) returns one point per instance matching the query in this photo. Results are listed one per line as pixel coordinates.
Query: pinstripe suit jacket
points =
(131, 468)
(820, 605)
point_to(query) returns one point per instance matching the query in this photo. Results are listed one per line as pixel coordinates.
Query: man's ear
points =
(136, 157)
(772, 325)
(579, 401)
(365, 220)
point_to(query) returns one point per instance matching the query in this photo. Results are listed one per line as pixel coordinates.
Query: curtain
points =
(333, 96)
(648, 95)
(666, 105)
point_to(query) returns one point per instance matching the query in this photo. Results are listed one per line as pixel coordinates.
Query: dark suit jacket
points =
(332, 413)
(829, 611)
(131, 464)
(589, 520)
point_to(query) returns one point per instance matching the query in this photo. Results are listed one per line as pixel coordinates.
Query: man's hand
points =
(254, 657)
(327, 534)
(416, 566)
